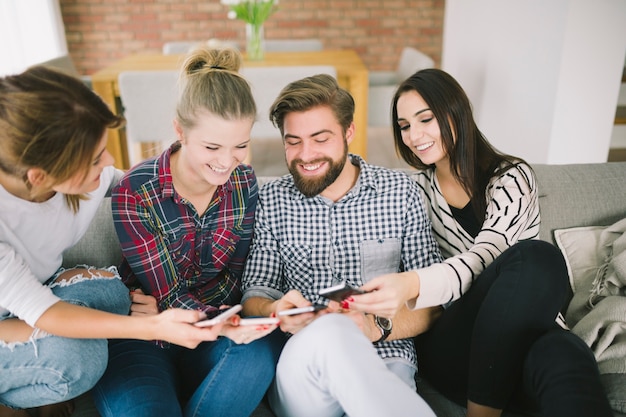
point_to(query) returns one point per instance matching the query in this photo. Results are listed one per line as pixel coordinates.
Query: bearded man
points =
(336, 219)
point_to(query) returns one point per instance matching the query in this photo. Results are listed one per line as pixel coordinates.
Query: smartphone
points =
(301, 310)
(251, 321)
(340, 292)
(218, 316)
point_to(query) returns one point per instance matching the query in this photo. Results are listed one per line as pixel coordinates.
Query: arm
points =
(147, 252)
(512, 214)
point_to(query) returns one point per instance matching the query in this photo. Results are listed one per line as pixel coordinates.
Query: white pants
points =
(330, 368)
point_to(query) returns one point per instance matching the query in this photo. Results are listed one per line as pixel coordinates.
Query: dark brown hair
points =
(473, 160)
(310, 92)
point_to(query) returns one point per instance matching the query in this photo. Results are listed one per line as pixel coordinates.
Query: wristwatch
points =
(385, 325)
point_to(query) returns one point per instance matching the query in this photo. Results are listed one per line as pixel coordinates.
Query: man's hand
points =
(293, 324)
(142, 304)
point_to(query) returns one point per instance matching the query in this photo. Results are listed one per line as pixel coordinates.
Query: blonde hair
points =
(210, 81)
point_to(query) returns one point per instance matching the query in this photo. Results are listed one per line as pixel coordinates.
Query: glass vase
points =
(255, 41)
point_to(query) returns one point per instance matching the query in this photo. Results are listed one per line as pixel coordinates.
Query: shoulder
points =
(385, 179)
(145, 172)
(243, 177)
(519, 174)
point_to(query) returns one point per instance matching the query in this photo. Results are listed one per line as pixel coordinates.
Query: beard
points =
(311, 187)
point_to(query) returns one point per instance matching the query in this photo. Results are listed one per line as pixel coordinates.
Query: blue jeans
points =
(49, 369)
(219, 378)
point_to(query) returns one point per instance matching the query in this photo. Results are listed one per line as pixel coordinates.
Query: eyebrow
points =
(290, 136)
(100, 154)
(417, 113)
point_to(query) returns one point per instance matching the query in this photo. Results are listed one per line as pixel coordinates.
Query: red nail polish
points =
(350, 299)
(345, 305)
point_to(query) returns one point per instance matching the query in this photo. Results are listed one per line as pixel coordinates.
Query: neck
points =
(344, 182)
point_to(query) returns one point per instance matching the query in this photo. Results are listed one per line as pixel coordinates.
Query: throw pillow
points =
(595, 259)
(579, 248)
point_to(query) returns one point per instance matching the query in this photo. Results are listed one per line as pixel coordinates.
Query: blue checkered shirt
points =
(380, 226)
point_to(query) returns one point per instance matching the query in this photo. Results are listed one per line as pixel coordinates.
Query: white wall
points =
(543, 76)
(31, 31)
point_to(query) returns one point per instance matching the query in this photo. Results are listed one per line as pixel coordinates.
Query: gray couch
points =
(570, 195)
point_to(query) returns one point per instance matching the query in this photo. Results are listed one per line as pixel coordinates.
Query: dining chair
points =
(382, 84)
(293, 45)
(149, 103)
(66, 64)
(266, 84)
(182, 47)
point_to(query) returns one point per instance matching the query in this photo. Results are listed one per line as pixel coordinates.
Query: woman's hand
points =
(246, 334)
(386, 294)
(142, 304)
(176, 326)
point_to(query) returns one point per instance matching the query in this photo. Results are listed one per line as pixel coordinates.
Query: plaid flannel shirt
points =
(183, 258)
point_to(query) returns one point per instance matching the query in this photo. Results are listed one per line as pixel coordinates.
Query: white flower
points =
(232, 15)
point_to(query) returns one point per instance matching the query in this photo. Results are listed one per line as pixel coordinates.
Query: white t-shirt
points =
(33, 237)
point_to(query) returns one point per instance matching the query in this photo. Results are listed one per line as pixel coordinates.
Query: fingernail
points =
(350, 299)
(345, 305)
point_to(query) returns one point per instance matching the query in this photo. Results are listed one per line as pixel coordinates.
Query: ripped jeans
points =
(50, 369)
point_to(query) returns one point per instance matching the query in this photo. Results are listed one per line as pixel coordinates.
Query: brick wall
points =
(101, 31)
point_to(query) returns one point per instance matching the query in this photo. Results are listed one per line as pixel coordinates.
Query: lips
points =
(219, 170)
(424, 146)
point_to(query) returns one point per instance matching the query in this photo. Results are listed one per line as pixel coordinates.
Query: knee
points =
(102, 293)
(543, 269)
(328, 337)
(560, 353)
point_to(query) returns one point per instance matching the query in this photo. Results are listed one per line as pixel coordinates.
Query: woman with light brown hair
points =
(55, 171)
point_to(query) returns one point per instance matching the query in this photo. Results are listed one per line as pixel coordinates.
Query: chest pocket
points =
(224, 244)
(379, 257)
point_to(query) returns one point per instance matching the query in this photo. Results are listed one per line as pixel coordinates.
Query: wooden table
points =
(351, 75)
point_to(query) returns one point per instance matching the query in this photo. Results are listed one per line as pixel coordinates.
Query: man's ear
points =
(350, 133)
(36, 176)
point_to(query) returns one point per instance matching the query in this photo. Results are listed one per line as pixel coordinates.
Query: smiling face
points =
(419, 129)
(79, 184)
(316, 148)
(213, 148)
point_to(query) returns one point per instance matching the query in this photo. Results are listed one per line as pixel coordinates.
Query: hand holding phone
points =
(218, 316)
(340, 292)
(301, 310)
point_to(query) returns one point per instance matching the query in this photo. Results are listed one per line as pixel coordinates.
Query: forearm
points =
(410, 323)
(69, 320)
(258, 306)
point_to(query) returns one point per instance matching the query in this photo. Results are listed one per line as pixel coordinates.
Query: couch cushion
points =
(580, 195)
(99, 246)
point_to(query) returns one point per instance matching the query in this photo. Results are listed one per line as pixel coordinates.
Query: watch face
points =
(383, 322)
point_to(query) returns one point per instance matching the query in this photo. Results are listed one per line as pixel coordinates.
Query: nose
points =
(307, 150)
(415, 133)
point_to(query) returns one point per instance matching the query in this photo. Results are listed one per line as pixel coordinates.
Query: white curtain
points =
(31, 31)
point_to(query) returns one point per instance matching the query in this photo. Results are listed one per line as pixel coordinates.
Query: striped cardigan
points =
(512, 214)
